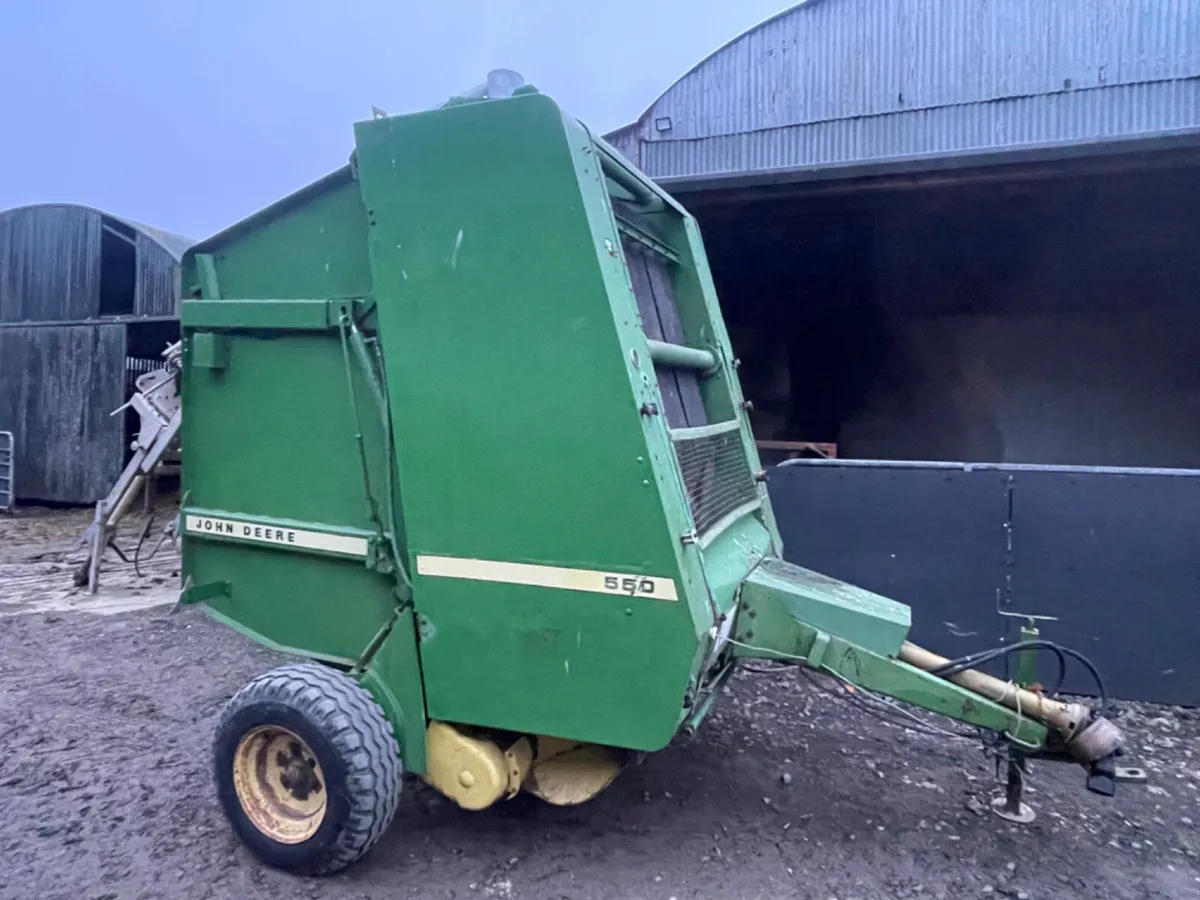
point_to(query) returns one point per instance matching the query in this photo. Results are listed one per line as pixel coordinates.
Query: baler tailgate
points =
(715, 470)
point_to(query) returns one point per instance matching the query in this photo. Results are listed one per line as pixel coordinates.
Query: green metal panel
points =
(393, 677)
(518, 432)
(811, 600)
(733, 553)
(310, 244)
(271, 440)
(288, 315)
(277, 427)
(270, 433)
(519, 377)
(277, 597)
(210, 351)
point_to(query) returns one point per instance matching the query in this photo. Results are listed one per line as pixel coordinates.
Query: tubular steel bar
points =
(680, 357)
(644, 197)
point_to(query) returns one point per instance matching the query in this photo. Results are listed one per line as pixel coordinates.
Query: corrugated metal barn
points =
(87, 302)
(956, 240)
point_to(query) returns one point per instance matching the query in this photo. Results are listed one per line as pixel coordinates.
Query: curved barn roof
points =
(837, 82)
(53, 269)
(174, 244)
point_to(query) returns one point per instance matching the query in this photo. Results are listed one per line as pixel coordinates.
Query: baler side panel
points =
(311, 244)
(270, 433)
(271, 436)
(485, 262)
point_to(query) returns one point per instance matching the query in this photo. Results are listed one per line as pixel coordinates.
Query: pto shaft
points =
(1088, 738)
(1060, 716)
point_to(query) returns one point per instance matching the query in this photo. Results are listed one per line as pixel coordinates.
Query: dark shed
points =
(955, 244)
(87, 302)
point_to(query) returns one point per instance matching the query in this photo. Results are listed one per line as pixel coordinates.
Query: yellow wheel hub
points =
(279, 784)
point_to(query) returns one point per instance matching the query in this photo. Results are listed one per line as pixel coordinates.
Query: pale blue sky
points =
(189, 116)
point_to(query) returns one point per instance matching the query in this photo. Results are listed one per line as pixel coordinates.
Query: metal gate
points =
(1110, 553)
(7, 455)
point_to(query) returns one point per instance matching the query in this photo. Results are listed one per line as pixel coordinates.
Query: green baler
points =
(463, 432)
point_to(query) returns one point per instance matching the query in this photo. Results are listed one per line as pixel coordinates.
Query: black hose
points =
(1087, 663)
(954, 666)
(137, 551)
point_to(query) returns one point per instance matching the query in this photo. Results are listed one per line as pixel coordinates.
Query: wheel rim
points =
(279, 784)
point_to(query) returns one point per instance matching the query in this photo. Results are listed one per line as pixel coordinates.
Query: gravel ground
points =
(41, 548)
(788, 791)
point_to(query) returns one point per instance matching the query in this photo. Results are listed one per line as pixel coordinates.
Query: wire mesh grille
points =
(716, 476)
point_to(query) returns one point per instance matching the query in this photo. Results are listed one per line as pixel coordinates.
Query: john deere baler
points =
(464, 434)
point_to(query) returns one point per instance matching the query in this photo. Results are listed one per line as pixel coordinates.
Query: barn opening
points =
(118, 268)
(1042, 312)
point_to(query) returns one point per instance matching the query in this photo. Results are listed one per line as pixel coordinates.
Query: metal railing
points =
(8, 453)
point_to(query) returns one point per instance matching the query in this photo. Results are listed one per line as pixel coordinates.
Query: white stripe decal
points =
(587, 580)
(276, 536)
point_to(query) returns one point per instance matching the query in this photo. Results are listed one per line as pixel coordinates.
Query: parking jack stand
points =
(1011, 806)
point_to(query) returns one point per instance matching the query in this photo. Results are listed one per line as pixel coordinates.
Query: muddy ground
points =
(788, 791)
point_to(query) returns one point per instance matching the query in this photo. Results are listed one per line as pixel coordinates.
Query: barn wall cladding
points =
(60, 385)
(840, 82)
(157, 279)
(49, 264)
(75, 285)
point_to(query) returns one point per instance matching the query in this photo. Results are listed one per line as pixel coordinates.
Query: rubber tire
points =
(351, 739)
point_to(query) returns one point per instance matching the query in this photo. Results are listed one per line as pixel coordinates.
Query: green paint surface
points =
(872, 622)
(508, 327)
